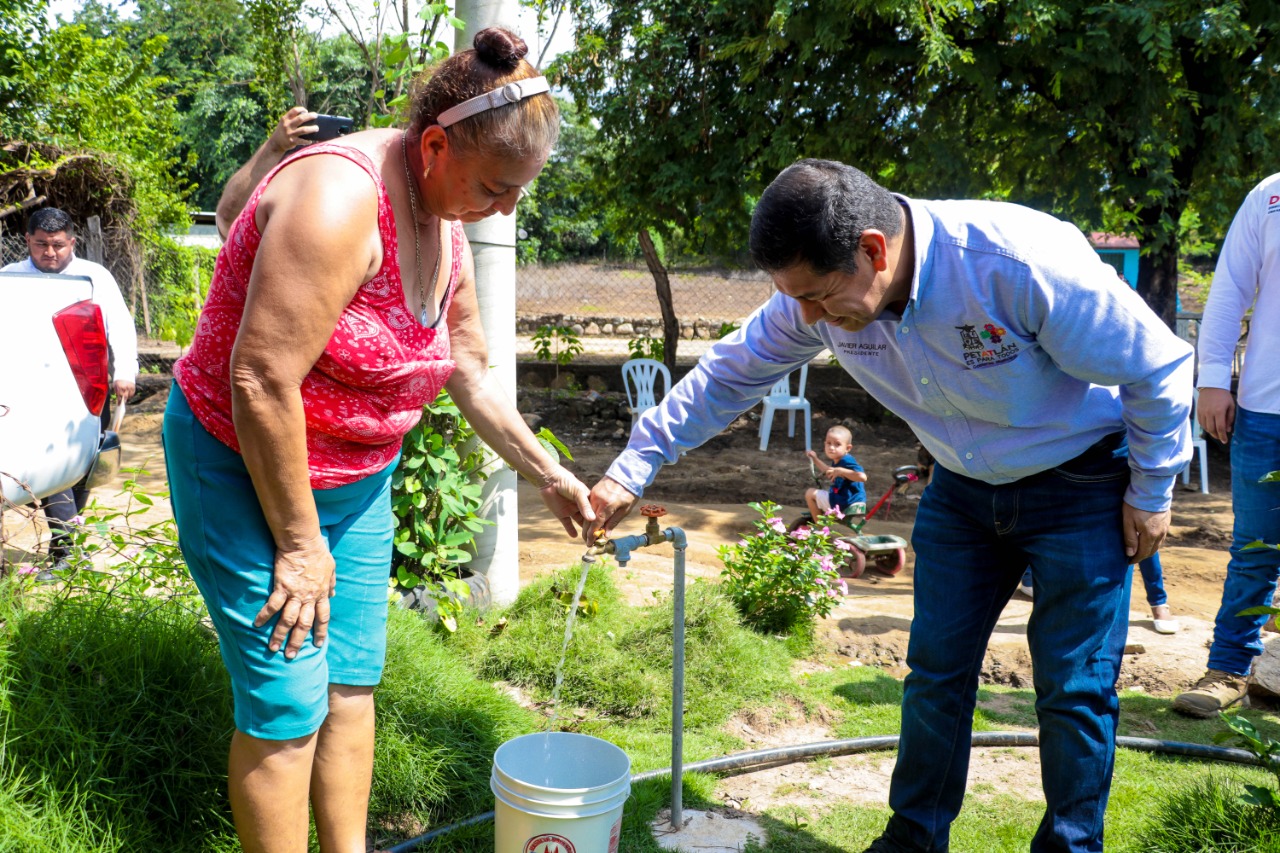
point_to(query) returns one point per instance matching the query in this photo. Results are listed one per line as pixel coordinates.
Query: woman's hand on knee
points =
(305, 578)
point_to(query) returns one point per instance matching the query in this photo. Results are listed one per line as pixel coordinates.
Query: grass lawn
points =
(116, 719)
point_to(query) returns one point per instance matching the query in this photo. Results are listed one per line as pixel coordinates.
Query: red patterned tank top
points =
(377, 371)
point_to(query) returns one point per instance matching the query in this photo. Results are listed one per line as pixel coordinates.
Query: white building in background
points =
(203, 232)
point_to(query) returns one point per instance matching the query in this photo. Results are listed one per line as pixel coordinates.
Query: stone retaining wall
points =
(620, 327)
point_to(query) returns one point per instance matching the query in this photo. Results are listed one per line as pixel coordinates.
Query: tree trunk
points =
(662, 283)
(1158, 280)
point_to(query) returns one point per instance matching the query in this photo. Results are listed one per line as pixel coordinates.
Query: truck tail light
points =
(84, 339)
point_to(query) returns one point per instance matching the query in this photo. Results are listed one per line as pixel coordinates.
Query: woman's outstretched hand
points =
(305, 578)
(568, 498)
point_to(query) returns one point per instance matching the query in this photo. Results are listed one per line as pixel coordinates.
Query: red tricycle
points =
(886, 554)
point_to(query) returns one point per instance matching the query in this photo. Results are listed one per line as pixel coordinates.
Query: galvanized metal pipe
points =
(676, 537)
(621, 549)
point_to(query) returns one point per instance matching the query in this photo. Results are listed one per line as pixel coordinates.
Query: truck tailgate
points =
(48, 437)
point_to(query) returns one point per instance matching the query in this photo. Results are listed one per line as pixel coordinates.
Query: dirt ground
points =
(706, 495)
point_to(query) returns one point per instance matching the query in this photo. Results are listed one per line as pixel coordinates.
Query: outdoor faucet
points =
(621, 549)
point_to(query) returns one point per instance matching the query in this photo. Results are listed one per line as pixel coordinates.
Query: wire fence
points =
(13, 248)
(610, 305)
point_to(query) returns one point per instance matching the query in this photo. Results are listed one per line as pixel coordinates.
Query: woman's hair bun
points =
(499, 48)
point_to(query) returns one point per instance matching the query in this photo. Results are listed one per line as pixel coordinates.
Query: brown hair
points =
(530, 126)
(842, 433)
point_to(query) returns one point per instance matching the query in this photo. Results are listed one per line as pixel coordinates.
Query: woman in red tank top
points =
(343, 300)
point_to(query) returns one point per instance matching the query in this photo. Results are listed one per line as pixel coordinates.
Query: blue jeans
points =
(1251, 575)
(972, 541)
(1152, 580)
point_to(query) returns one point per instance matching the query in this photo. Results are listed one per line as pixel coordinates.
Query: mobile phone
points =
(330, 127)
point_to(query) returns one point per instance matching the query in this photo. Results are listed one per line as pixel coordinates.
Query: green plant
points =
(647, 347)
(177, 281)
(1209, 816)
(1267, 749)
(725, 330)
(780, 580)
(436, 495)
(118, 554)
(557, 344)
(126, 703)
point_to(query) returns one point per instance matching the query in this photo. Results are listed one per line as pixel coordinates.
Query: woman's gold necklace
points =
(417, 240)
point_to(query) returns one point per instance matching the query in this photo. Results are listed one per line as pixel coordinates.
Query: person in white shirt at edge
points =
(1248, 274)
(51, 240)
(1057, 405)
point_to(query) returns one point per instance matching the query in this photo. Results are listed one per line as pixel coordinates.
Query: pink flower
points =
(842, 545)
(837, 512)
(800, 534)
(27, 570)
(844, 587)
(826, 531)
(826, 563)
(777, 525)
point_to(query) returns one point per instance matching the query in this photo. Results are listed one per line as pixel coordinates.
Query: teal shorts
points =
(231, 555)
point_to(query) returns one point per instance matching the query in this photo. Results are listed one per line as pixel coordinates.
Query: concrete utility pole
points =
(493, 243)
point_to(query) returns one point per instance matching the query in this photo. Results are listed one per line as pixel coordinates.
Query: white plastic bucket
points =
(559, 792)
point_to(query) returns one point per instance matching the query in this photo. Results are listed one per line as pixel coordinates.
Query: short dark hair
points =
(814, 212)
(50, 220)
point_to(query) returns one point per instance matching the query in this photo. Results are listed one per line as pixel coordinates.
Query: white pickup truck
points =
(53, 385)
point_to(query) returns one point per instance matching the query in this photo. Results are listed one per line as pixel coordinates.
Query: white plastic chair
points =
(781, 399)
(1198, 447)
(640, 378)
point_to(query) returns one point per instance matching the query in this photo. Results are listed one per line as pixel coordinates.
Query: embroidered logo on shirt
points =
(986, 348)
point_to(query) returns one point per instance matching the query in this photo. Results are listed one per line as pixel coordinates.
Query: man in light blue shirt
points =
(1057, 406)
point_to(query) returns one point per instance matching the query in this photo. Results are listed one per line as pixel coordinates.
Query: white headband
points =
(512, 93)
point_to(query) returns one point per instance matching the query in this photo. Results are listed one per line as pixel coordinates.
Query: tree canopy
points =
(1113, 115)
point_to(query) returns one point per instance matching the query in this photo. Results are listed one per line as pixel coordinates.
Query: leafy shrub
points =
(1266, 749)
(780, 580)
(725, 330)
(647, 347)
(177, 281)
(557, 344)
(436, 496)
(118, 554)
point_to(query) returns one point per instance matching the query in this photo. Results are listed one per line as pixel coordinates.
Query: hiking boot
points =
(1215, 692)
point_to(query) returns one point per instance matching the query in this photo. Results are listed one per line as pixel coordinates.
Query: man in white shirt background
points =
(1247, 276)
(51, 240)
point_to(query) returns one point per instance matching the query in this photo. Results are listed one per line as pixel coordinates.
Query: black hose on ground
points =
(760, 759)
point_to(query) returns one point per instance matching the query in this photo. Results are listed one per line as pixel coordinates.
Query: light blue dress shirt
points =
(1018, 349)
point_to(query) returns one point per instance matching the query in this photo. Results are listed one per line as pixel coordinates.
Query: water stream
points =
(568, 635)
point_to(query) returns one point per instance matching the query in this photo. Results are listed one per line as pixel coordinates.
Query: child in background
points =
(844, 474)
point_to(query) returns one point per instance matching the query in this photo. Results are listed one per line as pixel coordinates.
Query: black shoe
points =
(51, 575)
(886, 843)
